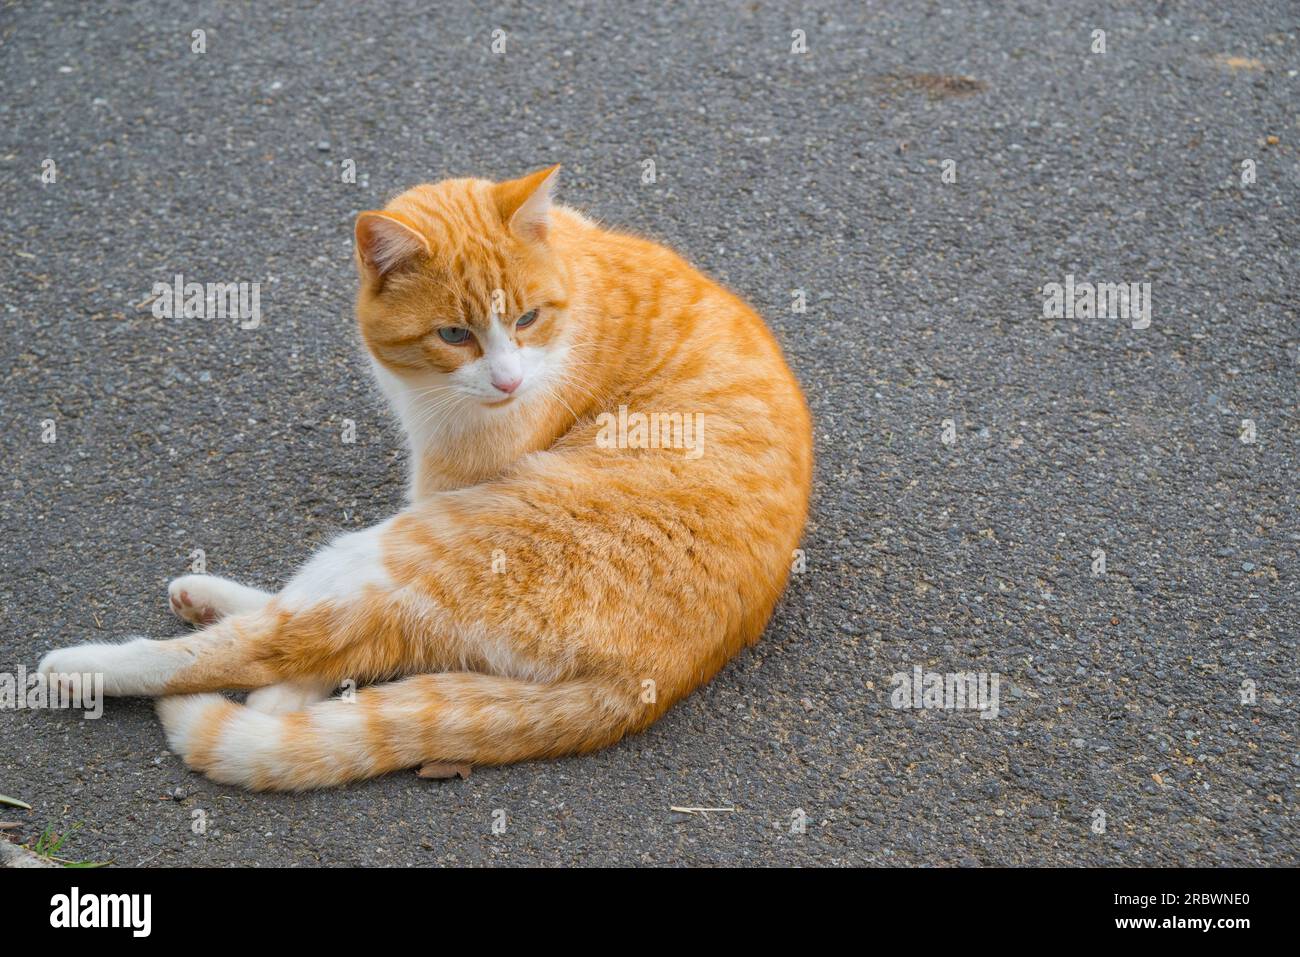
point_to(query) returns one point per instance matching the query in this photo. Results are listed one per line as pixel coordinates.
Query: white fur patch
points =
(341, 570)
(419, 405)
(340, 726)
(248, 742)
(289, 696)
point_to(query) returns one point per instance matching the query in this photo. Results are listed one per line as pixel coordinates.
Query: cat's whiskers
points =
(432, 389)
(441, 403)
(554, 392)
(570, 378)
(440, 407)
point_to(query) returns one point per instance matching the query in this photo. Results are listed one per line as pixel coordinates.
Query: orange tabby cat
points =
(610, 472)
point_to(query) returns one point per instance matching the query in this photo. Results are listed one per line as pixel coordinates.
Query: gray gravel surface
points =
(822, 171)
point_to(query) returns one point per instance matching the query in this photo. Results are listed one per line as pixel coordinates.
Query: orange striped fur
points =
(549, 587)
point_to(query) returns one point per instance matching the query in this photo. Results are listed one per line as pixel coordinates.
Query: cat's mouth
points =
(498, 403)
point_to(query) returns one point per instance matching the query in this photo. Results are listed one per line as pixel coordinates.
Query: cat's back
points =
(689, 359)
(681, 334)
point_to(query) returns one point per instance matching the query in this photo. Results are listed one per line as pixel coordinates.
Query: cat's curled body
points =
(553, 584)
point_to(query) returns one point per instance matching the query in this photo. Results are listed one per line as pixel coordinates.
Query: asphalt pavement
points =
(922, 173)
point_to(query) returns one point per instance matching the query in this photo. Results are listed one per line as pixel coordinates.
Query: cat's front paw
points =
(137, 666)
(194, 598)
(64, 667)
(202, 599)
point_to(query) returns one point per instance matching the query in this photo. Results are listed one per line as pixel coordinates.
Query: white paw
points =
(288, 696)
(202, 599)
(66, 665)
(193, 598)
(134, 667)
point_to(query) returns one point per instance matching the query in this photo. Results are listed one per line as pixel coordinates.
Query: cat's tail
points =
(453, 717)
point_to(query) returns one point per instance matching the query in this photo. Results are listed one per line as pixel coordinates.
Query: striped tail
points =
(456, 717)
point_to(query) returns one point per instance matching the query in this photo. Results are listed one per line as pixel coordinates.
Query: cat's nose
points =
(507, 385)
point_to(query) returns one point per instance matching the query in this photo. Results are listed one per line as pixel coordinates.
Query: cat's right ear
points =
(386, 241)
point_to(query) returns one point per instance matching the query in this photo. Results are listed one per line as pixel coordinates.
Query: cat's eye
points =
(453, 334)
(527, 319)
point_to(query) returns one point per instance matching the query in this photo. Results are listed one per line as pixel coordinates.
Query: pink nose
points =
(508, 386)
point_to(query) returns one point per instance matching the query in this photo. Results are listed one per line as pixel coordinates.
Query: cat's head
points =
(463, 298)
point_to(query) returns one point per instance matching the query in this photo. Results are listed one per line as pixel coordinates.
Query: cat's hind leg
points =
(316, 648)
(289, 696)
(203, 599)
(143, 666)
(341, 618)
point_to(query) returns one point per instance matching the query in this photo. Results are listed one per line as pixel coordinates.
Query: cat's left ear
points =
(525, 203)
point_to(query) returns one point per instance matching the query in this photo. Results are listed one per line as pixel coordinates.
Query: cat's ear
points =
(385, 241)
(525, 203)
